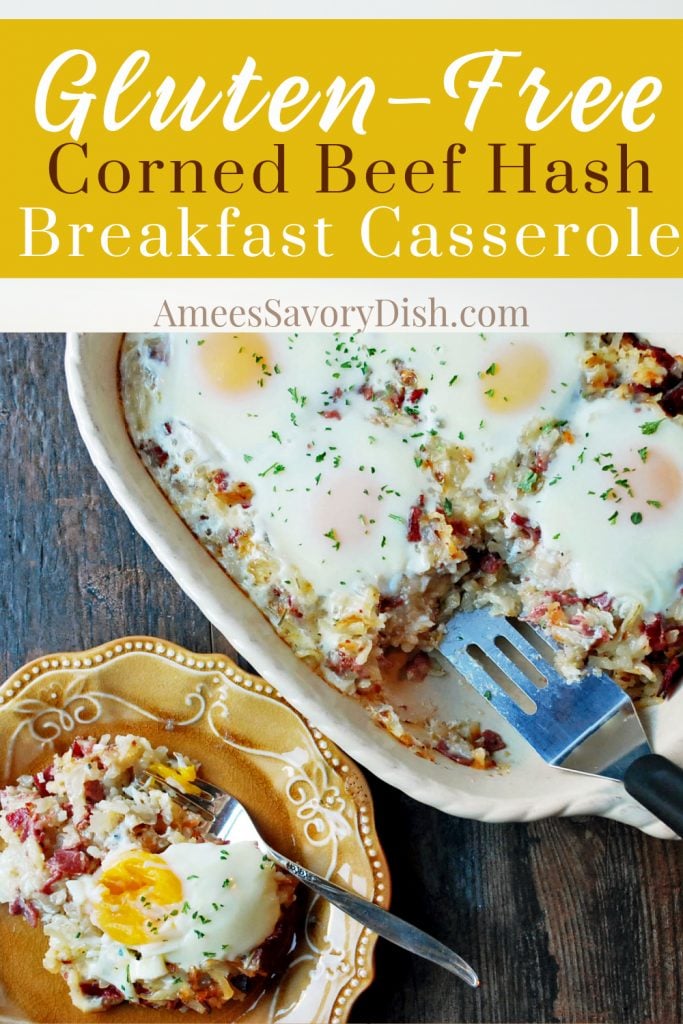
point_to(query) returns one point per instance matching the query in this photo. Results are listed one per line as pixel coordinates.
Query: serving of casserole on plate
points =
(139, 907)
(360, 490)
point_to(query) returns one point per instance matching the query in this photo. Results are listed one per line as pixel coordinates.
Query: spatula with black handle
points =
(588, 726)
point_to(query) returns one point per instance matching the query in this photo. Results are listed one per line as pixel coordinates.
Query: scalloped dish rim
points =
(327, 755)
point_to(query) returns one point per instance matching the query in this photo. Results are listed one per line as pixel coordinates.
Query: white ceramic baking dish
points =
(526, 789)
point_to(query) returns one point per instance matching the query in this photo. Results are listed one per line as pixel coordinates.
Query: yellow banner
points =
(342, 149)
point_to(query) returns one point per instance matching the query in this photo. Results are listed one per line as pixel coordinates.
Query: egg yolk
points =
(347, 512)
(132, 895)
(516, 380)
(657, 479)
(183, 776)
(234, 362)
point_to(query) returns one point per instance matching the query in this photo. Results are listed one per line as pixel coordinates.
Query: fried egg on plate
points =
(612, 503)
(192, 903)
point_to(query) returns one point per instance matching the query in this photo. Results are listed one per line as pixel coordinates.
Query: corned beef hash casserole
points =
(360, 489)
(139, 905)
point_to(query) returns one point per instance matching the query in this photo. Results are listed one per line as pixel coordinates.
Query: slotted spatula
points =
(588, 726)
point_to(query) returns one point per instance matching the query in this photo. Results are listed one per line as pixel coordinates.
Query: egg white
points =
(229, 906)
(612, 504)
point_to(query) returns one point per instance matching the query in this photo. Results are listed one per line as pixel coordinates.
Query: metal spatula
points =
(588, 726)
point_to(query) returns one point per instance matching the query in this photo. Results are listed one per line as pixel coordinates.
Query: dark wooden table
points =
(566, 920)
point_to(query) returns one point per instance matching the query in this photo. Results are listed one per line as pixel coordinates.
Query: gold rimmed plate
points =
(305, 796)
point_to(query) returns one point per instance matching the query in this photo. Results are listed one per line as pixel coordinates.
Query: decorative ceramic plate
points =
(305, 796)
(525, 788)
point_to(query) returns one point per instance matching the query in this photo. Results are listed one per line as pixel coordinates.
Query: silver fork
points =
(227, 818)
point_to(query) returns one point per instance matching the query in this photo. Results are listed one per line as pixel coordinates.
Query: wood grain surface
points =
(566, 920)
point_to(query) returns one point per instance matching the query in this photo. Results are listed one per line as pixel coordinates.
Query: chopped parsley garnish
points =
(296, 397)
(651, 427)
(529, 482)
(553, 425)
(275, 467)
(331, 535)
(643, 452)
(636, 518)
(613, 518)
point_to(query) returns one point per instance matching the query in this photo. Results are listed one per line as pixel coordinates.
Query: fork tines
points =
(204, 804)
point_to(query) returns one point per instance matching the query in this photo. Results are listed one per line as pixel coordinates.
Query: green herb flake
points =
(529, 482)
(651, 427)
(275, 467)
